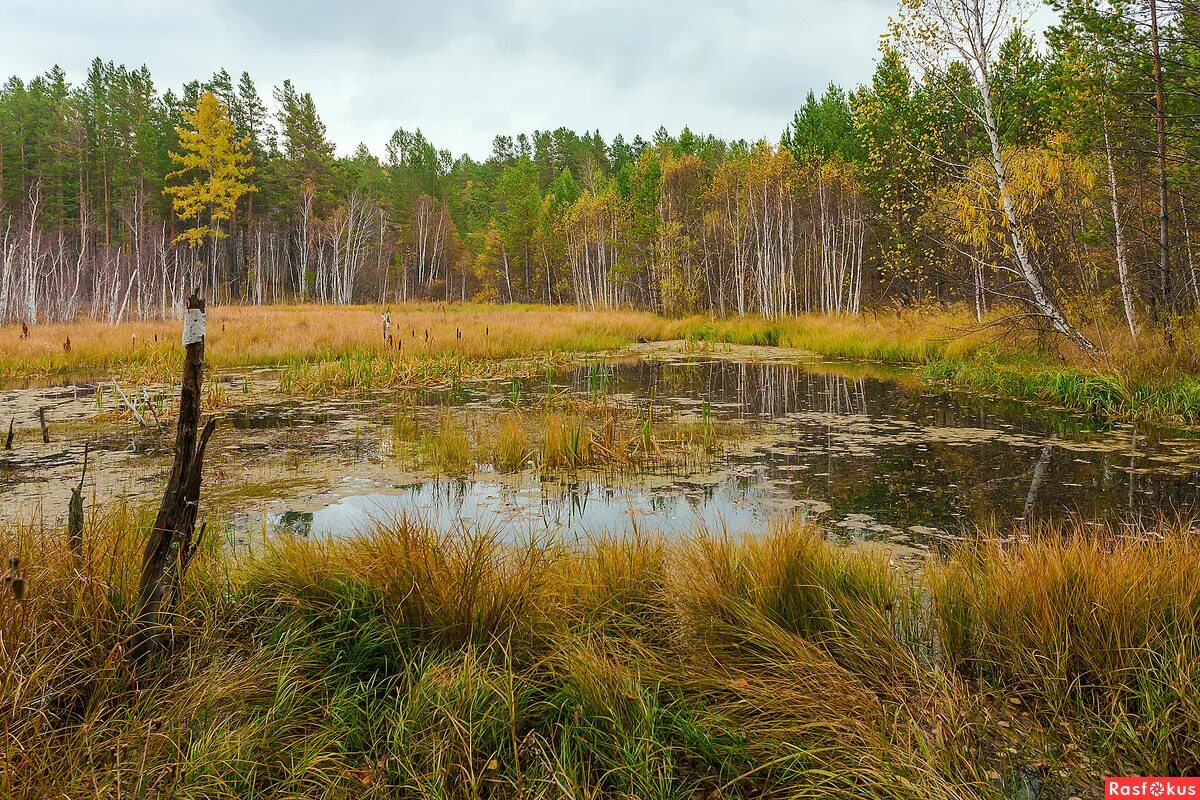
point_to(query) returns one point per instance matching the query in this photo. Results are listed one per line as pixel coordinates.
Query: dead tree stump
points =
(173, 542)
(42, 422)
(75, 514)
(8, 441)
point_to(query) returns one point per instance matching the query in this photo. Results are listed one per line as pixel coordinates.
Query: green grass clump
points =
(1103, 394)
(1090, 392)
(510, 449)
(447, 447)
(406, 427)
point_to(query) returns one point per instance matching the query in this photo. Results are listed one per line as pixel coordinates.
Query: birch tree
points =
(1086, 107)
(936, 33)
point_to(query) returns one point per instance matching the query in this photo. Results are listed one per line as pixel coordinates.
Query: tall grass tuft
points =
(423, 663)
(1100, 629)
(566, 435)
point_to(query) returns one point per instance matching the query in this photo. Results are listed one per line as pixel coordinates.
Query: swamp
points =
(370, 432)
(663, 438)
(653, 567)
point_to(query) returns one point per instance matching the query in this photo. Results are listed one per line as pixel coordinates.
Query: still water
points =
(873, 455)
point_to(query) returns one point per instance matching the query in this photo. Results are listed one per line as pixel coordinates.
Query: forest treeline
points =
(979, 165)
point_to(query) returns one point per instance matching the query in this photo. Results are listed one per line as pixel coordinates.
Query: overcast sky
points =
(465, 70)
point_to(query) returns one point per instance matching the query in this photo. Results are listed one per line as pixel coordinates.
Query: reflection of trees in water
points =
(297, 523)
(779, 389)
(843, 396)
(770, 389)
(1133, 443)
(1054, 485)
(764, 389)
(775, 389)
(942, 484)
(991, 480)
(1150, 498)
(1035, 480)
(889, 486)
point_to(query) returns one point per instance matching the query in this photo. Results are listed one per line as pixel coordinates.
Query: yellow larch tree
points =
(216, 166)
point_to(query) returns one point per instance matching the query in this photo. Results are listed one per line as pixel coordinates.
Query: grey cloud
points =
(464, 71)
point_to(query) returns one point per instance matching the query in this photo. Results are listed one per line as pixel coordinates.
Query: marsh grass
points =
(1096, 391)
(406, 427)
(364, 372)
(448, 446)
(1143, 379)
(1102, 629)
(323, 350)
(563, 433)
(245, 336)
(411, 662)
(913, 337)
(511, 448)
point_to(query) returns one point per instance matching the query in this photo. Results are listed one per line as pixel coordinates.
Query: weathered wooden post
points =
(42, 422)
(172, 542)
(75, 514)
(8, 441)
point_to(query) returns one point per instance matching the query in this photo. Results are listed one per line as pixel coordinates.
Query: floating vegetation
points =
(728, 437)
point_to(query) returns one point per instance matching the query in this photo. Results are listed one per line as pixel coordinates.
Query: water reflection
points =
(878, 457)
(579, 508)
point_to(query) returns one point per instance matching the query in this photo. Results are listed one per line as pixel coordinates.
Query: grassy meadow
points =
(407, 663)
(304, 338)
(323, 350)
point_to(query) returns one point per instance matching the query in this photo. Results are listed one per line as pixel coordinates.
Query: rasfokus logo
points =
(1151, 787)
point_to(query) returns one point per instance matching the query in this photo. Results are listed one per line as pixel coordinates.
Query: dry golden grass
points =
(273, 335)
(331, 349)
(411, 662)
(912, 336)
(1097, 626)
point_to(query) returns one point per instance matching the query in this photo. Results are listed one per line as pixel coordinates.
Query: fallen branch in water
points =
(134, 407)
